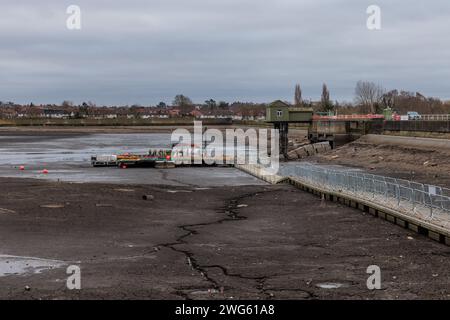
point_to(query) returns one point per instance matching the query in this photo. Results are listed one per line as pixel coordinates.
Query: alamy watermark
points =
(74, 280)
(73, 22)
(374, 20)
(374, 280)
(210, 146)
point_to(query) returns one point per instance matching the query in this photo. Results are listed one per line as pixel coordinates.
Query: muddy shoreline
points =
(246, 242)
(202, 233)
(55, 131)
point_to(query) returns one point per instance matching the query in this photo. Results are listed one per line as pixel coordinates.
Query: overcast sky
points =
(146, 51)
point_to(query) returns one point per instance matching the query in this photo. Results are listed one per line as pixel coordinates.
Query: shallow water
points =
(68, 159)
(76, 150)
(17, 265)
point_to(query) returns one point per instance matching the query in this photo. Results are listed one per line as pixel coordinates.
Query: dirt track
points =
(256, 242)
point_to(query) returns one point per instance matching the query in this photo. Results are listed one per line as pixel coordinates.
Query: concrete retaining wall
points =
(309, 150)
(261, 173)
(418, 125)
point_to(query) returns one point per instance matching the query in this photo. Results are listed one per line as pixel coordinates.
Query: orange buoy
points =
(45, 171)
(21, 168)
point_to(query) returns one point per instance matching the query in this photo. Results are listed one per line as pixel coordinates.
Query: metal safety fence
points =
(435, 117)
(427, 201)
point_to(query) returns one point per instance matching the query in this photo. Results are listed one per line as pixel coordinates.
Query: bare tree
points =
(183, 103)
(327, 105)
(298, 96)
(223, 105)
(162, 105)
(211, 104)
(67, 103)
(369, 95)
(388, 99)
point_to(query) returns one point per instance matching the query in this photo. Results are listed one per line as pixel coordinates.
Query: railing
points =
(426, 201)
(427, 117)
(435, 117)
(349, 117)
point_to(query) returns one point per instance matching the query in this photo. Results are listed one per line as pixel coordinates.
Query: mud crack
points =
(232, 214)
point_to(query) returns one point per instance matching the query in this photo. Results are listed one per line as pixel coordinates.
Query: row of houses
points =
(68, 112)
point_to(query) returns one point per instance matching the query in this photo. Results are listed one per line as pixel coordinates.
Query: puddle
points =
(17, 265)
(52, 206)
(178, 191)
(103, 205)
(124, 190)
(331, 285)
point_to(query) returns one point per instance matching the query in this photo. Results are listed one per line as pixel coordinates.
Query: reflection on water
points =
(77, 149)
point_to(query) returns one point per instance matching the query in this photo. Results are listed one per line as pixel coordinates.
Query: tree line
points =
(370, 97)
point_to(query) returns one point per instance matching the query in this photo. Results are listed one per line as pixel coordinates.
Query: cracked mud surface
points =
(245, 242)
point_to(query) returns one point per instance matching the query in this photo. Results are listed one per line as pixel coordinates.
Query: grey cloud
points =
(144, 51)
